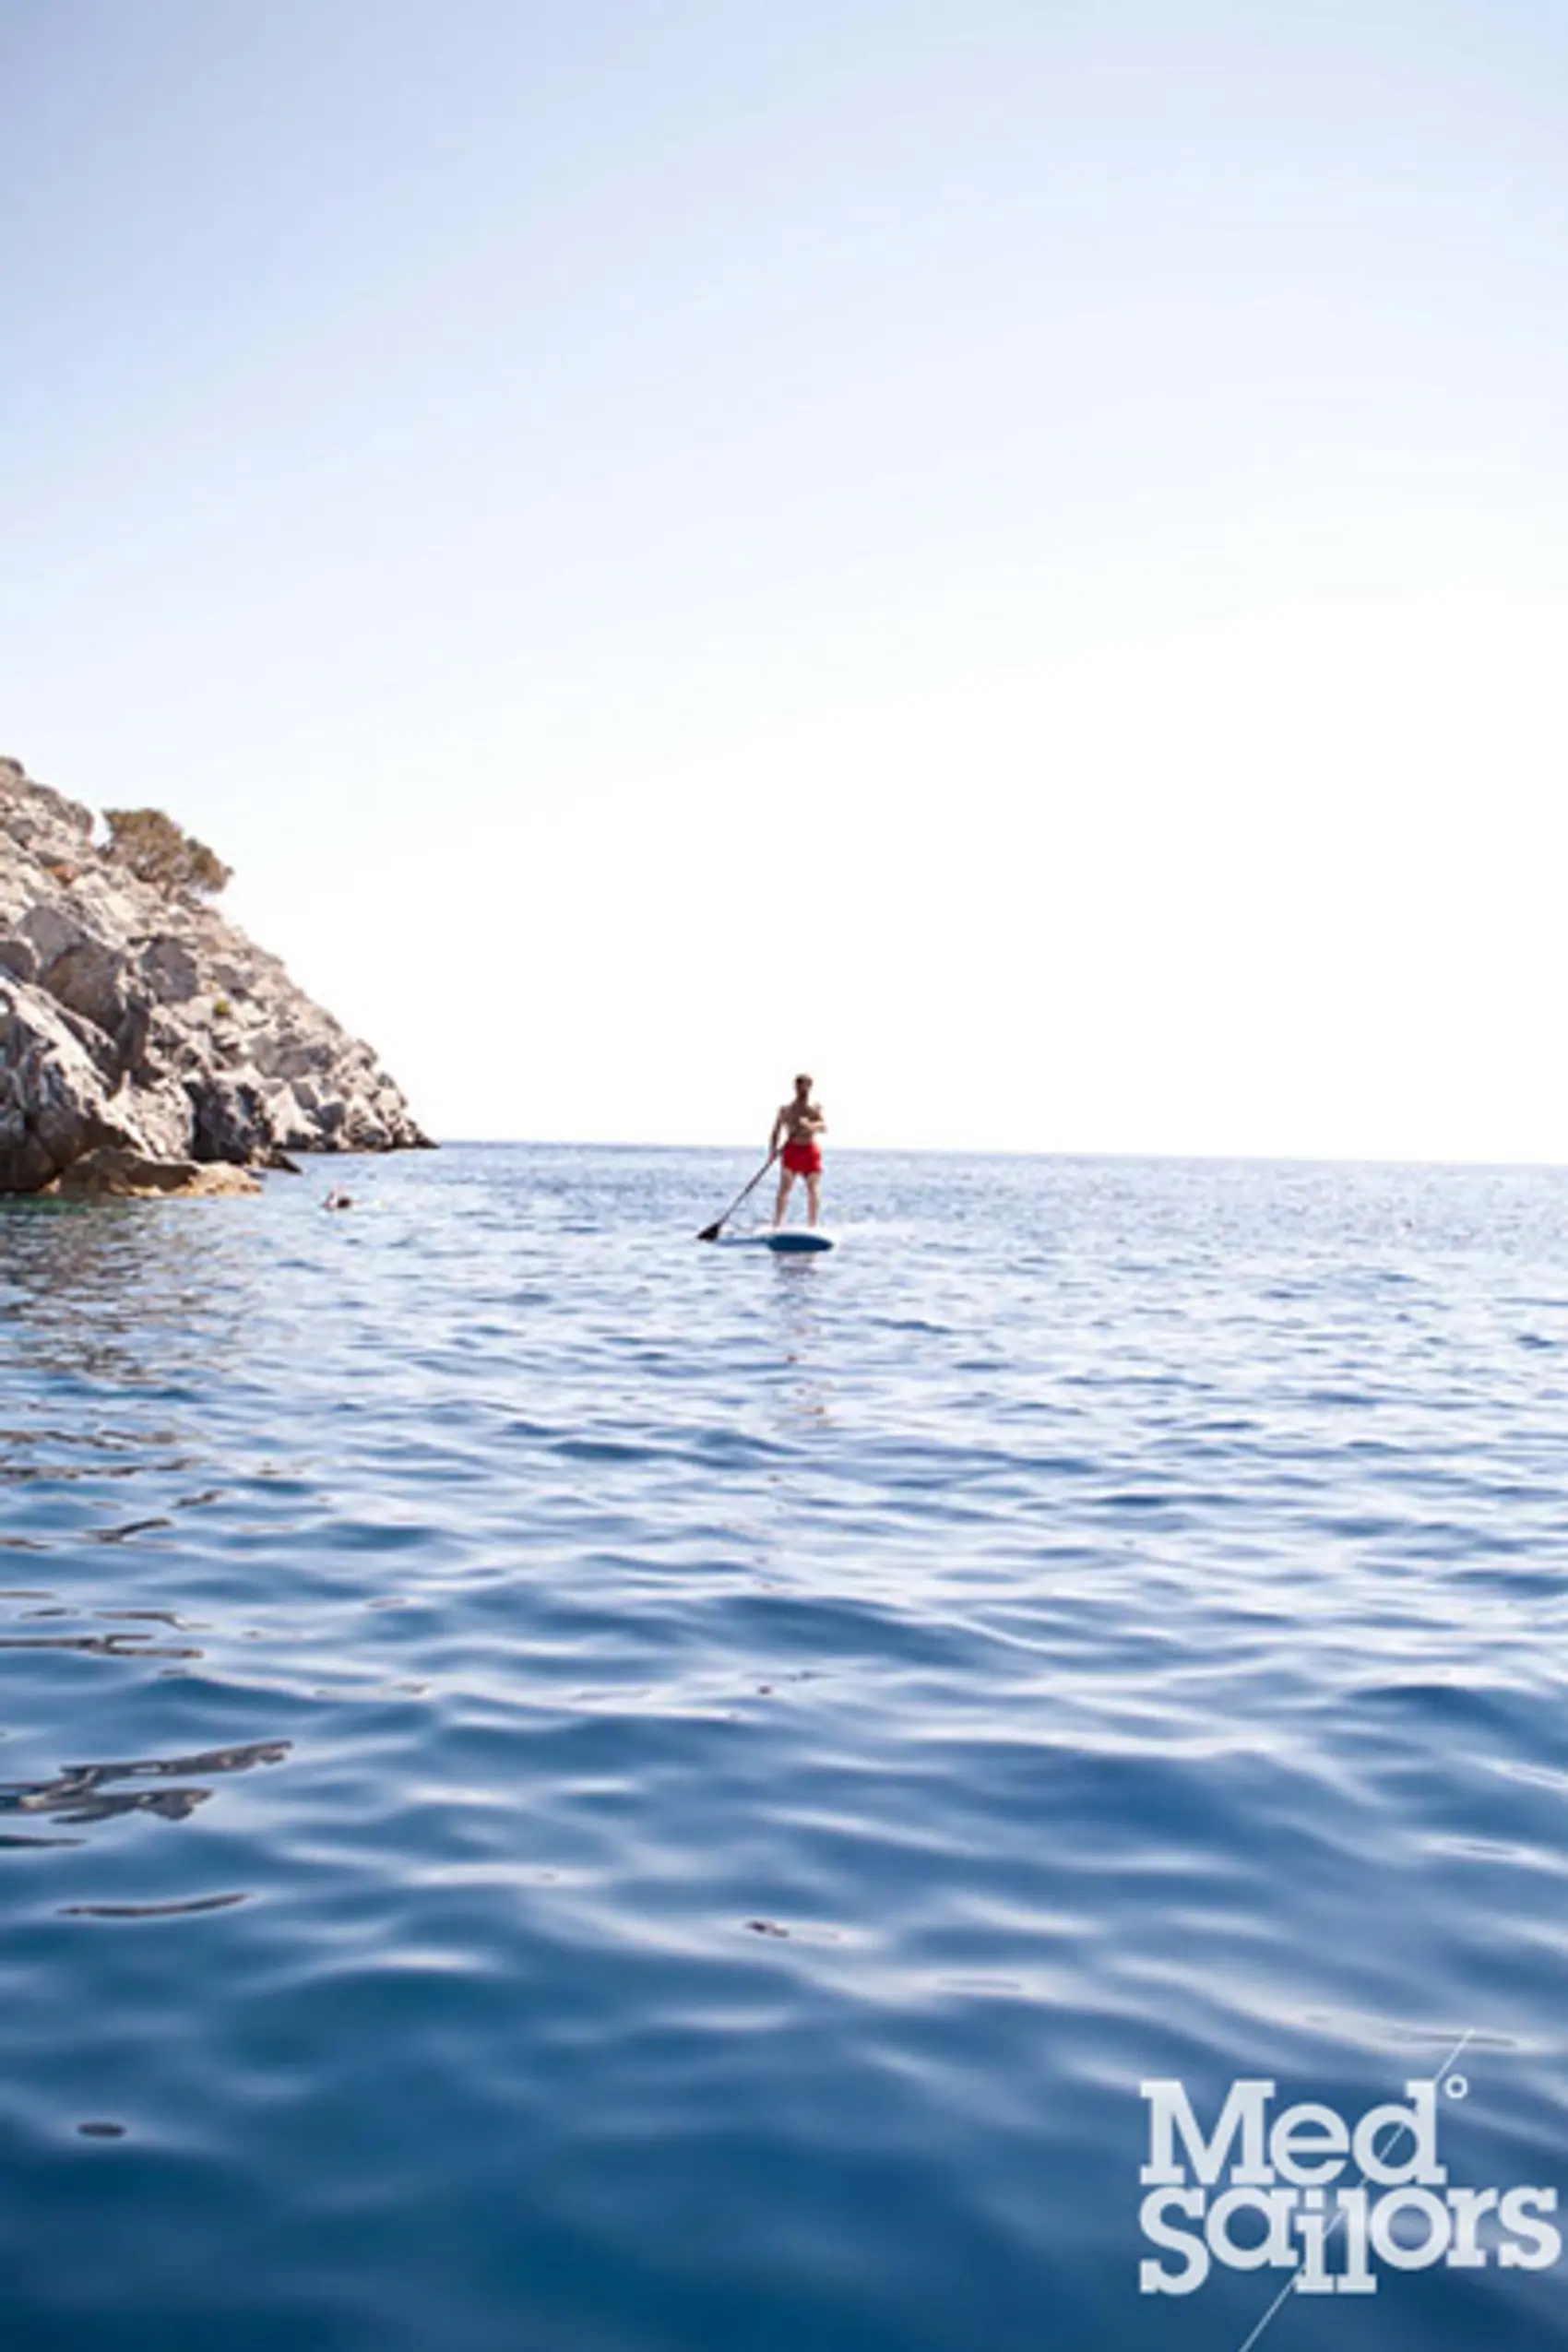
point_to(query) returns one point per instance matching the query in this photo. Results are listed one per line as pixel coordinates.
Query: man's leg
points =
(814, 1195)
(786, 1186)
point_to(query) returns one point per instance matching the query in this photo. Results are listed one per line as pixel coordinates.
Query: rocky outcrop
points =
(109, 1173)
(60, 1095)
(142, 1022)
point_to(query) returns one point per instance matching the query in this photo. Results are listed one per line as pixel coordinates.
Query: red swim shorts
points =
(804, 1160)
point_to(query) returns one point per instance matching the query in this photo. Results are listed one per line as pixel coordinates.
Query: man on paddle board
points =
(797, 1126)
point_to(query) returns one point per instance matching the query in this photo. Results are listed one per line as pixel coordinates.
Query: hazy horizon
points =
(1013, 557)
(972, 1151)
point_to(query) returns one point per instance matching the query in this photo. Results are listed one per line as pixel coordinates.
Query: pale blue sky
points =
(1015, 553)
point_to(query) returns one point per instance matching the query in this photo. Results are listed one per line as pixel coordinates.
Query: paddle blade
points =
(709, 1234)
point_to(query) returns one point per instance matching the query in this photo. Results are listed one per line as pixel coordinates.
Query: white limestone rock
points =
(134, 1019)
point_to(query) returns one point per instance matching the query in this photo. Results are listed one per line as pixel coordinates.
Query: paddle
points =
(710, 1232)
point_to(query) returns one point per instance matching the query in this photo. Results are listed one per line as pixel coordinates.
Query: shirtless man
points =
(797, 1126)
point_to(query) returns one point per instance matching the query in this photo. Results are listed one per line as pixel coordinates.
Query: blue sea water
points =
(566, 1791)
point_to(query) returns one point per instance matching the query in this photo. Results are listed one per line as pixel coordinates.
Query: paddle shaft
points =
(710, 1232)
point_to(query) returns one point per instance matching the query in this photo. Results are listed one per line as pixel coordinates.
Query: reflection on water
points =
(192, 1908)
(134, 1292)
(99, 1644)
(802, 1330)
(45, 1452)
(80, 1793)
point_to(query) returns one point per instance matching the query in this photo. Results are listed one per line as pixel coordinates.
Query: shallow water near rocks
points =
(565, 1790)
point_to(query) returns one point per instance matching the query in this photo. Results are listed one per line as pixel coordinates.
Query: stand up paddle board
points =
(798, 1237)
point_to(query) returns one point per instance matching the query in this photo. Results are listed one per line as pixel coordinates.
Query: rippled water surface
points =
(564, 1792)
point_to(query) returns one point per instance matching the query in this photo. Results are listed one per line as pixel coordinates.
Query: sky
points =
(1012, 556)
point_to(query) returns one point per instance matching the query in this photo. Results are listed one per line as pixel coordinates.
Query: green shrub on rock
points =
(157, 851)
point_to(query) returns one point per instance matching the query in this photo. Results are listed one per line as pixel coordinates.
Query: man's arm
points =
(777, 1131)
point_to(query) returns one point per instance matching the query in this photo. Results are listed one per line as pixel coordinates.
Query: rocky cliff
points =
(138, 1019)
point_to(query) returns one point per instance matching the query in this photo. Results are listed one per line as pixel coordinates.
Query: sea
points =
(566, 1790)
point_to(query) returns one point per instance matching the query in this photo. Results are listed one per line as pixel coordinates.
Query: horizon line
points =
(1003, 1151)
